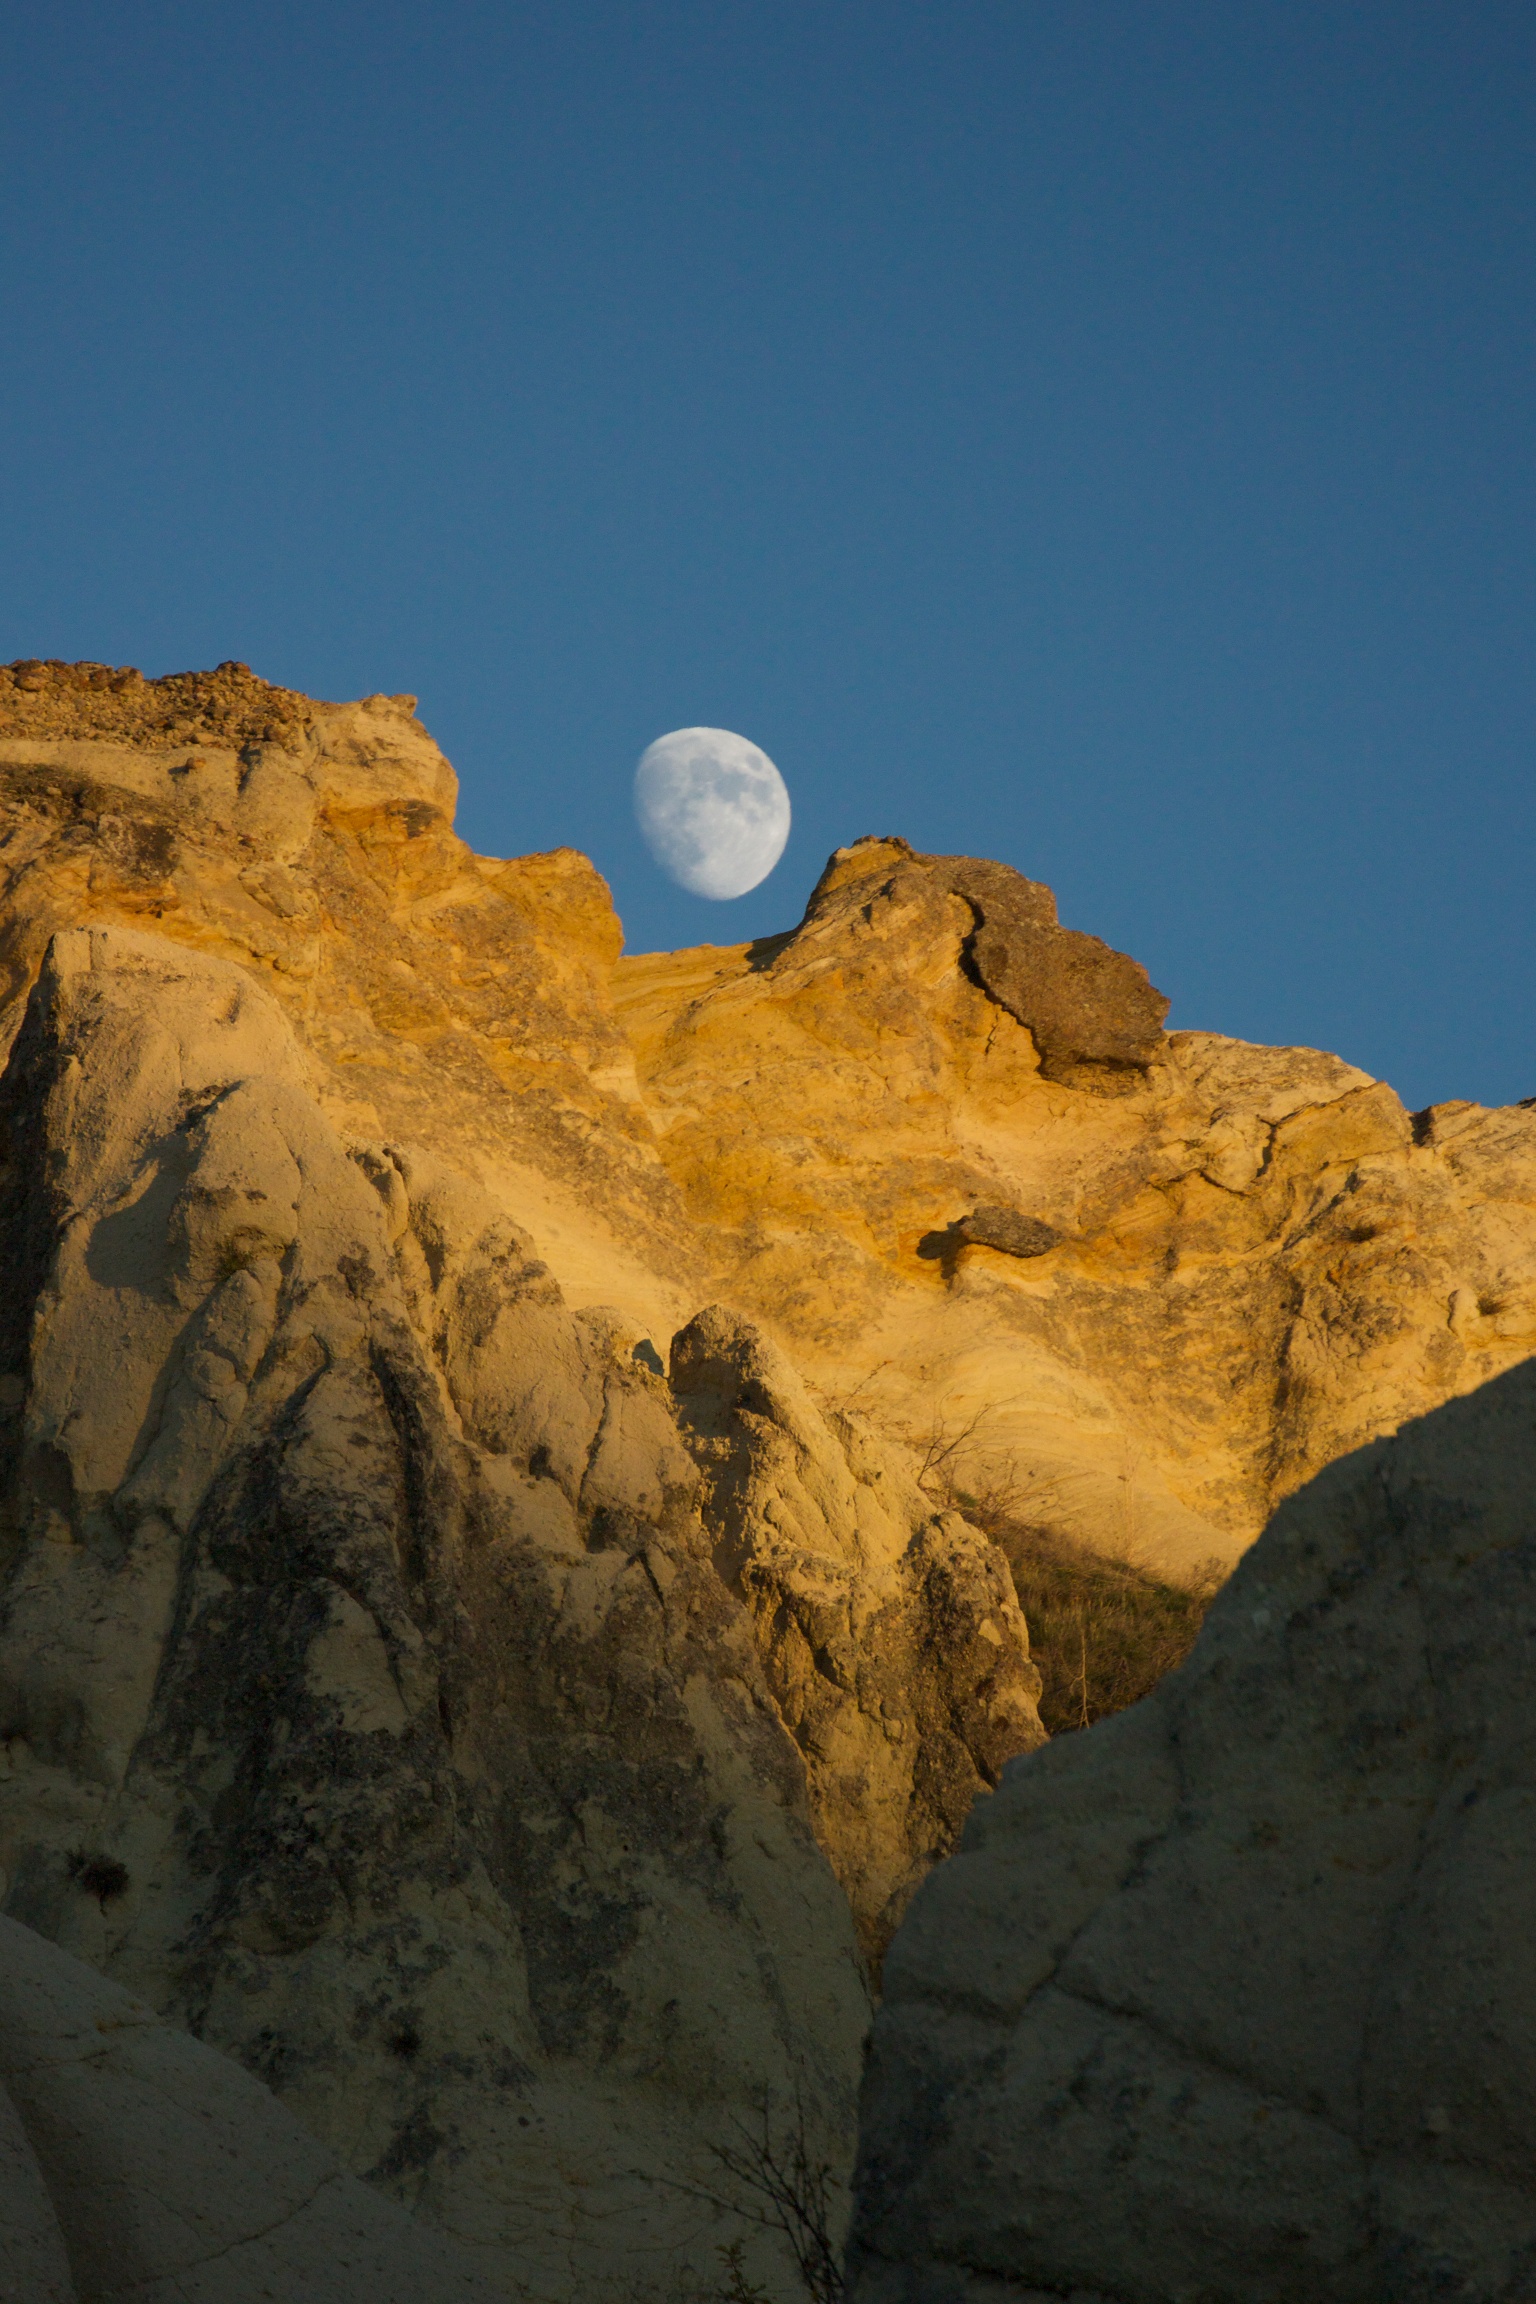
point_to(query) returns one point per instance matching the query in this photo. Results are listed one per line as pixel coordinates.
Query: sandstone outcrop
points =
(1156, 1293)
(473, 1645)
(890, 1635)
(1242, 1262)
(1092, 1013)
(370, 1702)
(136, 2163)
(1229, 1997)
(385, 1695)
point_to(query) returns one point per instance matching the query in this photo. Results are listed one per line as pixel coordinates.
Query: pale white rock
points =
(371, 1702)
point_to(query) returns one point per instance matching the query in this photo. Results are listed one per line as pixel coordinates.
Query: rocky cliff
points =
(498, 1747)
(1157, 1291)
(474, 1642)
(939, 1145)
(1230, 1997)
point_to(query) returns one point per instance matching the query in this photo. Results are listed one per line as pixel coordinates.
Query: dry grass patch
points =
(1101, 1631)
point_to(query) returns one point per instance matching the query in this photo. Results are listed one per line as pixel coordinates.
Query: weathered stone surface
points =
(1259, 1260)
(370, 1703)
(136, 2163)
(435, 992)
(381, 1694)
(1008, 1230)
(891, 1637)
(1262, 1262)
(368, 1586)
(1091, 1012)
(1229, 1997)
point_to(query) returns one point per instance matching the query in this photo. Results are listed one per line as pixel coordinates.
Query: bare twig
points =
(846, 1400)
(781, 2186)
(943, 1448)
(738, 2288)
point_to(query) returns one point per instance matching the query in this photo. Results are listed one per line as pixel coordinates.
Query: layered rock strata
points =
(1228, 1998)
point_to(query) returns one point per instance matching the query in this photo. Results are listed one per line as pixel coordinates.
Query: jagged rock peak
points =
(230, 704)
(1093, 1013)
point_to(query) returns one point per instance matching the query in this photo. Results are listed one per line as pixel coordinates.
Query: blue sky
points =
(1095, 435)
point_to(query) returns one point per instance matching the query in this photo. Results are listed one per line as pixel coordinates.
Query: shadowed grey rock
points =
(1230, 1998)
(1009, 1230)
(136, 2163)
(1091, 1011)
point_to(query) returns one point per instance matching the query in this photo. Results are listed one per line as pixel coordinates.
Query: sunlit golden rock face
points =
(488, 1422)
(1155, 1296)
(939, 1145)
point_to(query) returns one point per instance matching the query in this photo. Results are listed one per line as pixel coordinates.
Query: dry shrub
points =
(772, 2176)
(781, 2183)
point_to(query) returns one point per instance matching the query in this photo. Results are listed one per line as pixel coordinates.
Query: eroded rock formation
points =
(472, 1644)
(1242, 1262)
(1229, 1997)
(890, 1635)
(371, 1703)
(1158, 1279)
(386, 1693)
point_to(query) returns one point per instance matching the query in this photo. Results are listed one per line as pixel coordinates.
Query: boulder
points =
(1092, 1013)
(137, 2163)
(1228, 1999)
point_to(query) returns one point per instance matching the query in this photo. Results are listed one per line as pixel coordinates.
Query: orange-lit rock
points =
(462, 1399)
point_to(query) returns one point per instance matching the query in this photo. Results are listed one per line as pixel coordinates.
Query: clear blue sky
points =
(1093, 433)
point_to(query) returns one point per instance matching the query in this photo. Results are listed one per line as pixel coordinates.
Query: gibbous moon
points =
(713, 808)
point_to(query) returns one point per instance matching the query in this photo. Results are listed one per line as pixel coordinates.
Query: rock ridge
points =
(231, 703)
